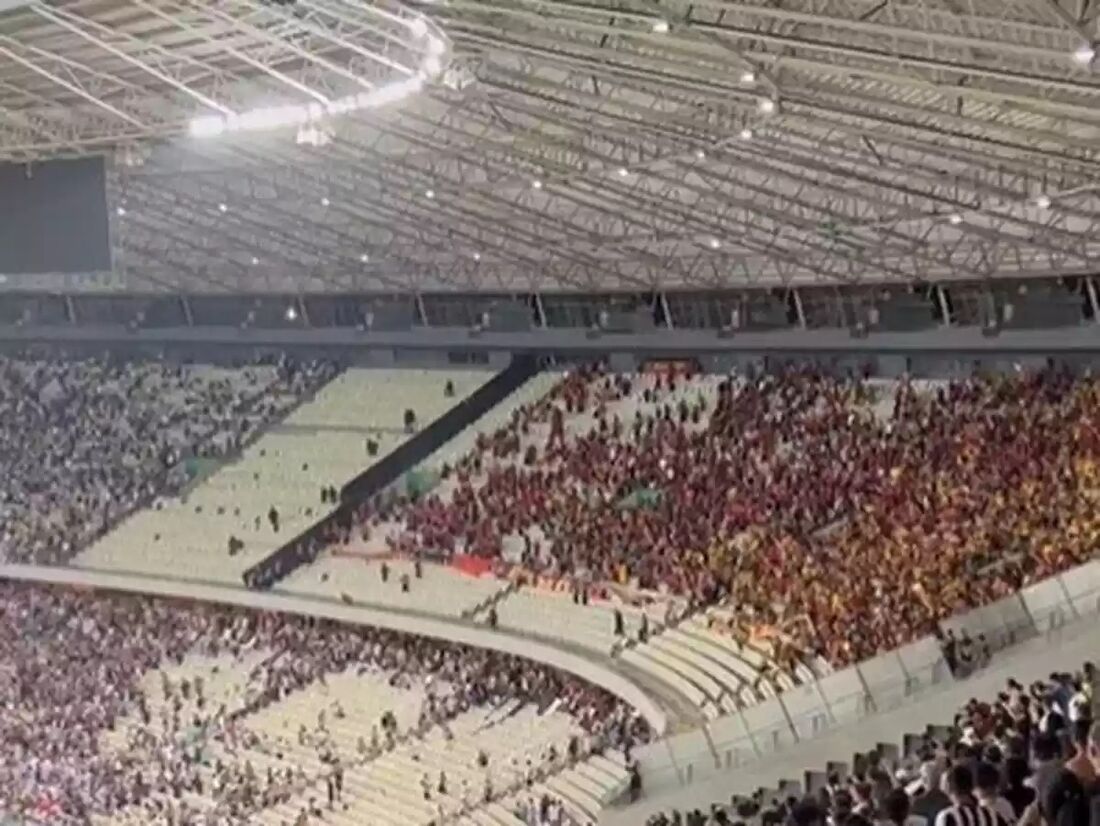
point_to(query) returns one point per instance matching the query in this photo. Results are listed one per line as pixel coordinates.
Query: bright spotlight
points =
(1085, 54)
(291, 313)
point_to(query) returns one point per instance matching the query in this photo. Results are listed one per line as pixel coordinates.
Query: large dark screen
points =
(55, 218)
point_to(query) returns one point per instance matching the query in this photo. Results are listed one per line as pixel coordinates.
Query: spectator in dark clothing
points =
(1017, 792)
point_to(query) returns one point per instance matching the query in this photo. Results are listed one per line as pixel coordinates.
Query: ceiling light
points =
(325, 202)
(537, 184)
(418, 26)
(364, 258)
(700, 154)
(623, 171)
(746, 134)
(956, 219)
(429, 194)
(1043, 202)
(748, 77)
(1085, 54)
(766, 105)
(223, 208)
(715, 243)
(291, 313)
(660, 27)
(120, 211)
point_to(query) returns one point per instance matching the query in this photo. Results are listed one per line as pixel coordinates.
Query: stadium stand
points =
(789, 502)
(189, 714)
(285, 481)
(84, 442)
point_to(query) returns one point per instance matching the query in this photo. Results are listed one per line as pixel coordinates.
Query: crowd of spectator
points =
(795, 495)
(1029, 757)
(83, 442)
(71, 663)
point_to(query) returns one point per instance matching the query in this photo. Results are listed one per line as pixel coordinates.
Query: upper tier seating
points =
(322, 444)
(84, 442)
(797, 501)
(198, 714)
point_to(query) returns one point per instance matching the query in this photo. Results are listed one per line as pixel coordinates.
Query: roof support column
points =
(945, 310)
(800, 312)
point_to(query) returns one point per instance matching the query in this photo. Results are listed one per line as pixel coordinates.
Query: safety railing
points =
(880, 684)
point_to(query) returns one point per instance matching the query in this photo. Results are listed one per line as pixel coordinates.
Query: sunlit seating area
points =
(84, 442)
(273, 491)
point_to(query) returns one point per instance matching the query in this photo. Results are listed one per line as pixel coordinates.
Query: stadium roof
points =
(615, 145)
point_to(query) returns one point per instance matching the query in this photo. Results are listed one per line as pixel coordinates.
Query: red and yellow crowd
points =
(796, 497)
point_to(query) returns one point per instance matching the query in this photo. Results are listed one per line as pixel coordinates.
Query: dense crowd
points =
(793, 495)
(70, 667)
(1029, 757)
(83, 442)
